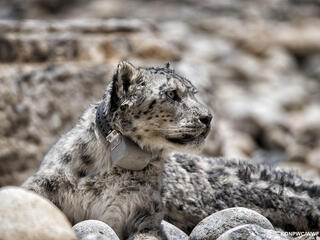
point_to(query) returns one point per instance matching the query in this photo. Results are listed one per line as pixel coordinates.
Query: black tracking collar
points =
(123, 152)
(101, 120)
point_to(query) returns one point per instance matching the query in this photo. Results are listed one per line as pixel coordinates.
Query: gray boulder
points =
(94, 230)
(28, 216)
(251, 232)
(216, 224)
(172, 232)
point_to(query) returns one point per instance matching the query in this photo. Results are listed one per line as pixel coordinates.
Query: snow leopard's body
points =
(154, 107)
(157, 109)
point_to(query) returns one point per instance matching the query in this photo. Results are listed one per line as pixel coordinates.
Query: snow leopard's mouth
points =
(187, 138)
(182, 140)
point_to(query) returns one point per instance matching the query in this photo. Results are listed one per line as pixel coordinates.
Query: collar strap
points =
(123, 152)
(101, 120)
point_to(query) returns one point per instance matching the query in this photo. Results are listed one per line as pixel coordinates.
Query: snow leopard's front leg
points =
(145, 221)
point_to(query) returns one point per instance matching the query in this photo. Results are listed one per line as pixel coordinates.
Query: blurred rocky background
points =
(256, 64)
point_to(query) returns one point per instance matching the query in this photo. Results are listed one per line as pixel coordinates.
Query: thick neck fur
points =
(93, 153)
(84, 151)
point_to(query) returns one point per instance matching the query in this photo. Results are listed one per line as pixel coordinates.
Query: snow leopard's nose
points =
(206, 120)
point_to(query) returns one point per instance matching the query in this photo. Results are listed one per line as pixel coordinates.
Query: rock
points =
(75, 25)
(174, 31)
(28, 216)
(68, 40)
(211, 49)
(250, 232)
(172, 232)
(146, 46)
(299, 39)
(94, 230)
(314, 158)
(233, 147)
(312, 67)
(297, 153)
(214, 225)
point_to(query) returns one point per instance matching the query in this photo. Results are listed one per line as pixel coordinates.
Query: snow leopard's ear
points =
(125, 76)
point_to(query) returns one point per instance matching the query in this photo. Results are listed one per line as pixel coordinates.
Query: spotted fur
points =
(162, 111)
(208, 185)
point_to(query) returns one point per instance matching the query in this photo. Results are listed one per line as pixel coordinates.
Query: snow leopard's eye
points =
(173, 95)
